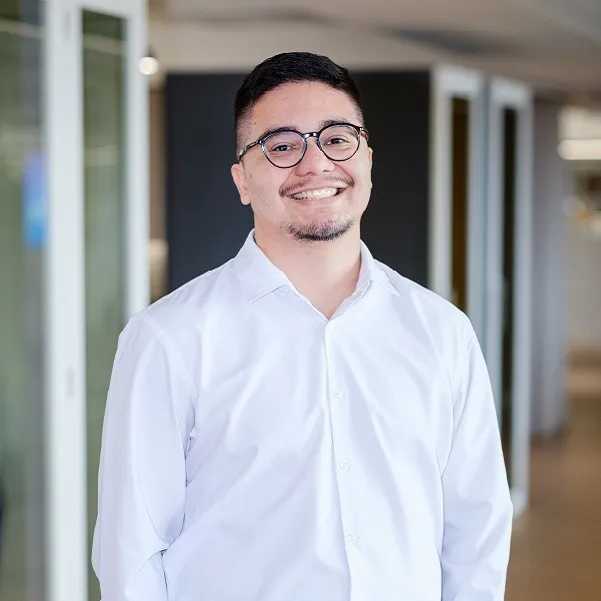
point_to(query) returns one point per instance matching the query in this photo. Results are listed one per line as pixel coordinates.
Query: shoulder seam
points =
(165, 341)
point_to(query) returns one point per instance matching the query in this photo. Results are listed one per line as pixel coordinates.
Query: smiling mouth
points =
(319, 194)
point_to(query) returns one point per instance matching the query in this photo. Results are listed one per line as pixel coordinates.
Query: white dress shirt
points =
(254, 450)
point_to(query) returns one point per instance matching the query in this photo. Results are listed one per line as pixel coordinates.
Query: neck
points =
(324, 272)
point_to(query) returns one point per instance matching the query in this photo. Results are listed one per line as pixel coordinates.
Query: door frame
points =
(66, 552)
(448, 83)
(504, 94)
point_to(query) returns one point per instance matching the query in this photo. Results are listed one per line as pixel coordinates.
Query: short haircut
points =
(290, 67)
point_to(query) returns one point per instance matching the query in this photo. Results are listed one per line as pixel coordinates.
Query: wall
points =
(584, 247)
(158, 249)
(157, 163)
(206, 223)
(396, 223)
(584, 291)
(549, 273)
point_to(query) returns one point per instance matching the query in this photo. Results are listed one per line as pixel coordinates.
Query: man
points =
(302, 423)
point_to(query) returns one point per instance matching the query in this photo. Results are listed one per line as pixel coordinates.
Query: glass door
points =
(99, 189)
(23, 245)
(105, 218)
(508, 273)
(114, 288)
(457, 184)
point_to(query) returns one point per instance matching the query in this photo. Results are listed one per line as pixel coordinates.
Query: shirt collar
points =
(259, 276)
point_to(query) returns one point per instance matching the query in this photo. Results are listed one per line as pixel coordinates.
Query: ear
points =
(370, 154)
(239, 178)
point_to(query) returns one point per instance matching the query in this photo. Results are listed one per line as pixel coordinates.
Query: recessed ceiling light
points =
(580, 150)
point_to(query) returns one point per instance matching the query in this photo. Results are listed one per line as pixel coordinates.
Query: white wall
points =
(584, 289)
(584, 247)
(549, 275)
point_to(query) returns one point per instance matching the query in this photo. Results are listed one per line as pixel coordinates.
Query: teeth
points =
(316, 194)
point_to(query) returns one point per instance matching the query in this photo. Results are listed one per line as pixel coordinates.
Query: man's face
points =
(297, 202)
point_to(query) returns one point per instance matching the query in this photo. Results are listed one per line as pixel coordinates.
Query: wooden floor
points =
(556, 551)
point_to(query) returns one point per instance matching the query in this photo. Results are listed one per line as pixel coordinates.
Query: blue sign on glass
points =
(35, 213)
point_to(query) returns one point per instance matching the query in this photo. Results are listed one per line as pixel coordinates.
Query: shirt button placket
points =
(341, 446)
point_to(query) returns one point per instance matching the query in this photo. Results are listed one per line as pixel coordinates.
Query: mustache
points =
(334, 182)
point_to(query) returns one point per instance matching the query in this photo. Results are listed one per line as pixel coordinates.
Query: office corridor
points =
(556, 552)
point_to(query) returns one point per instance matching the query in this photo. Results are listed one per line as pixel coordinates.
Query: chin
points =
(319, 232)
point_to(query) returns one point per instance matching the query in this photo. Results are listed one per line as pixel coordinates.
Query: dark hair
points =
(291, 67)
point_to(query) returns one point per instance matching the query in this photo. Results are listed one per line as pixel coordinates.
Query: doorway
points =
(460, 201)
(508, 274)
(457, 213)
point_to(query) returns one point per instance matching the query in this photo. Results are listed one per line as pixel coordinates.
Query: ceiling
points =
(554, 45)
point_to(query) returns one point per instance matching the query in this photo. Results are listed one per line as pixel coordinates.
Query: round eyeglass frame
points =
(314, 134)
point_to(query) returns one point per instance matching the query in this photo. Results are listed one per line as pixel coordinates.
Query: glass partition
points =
(23, 243)
(105, 225)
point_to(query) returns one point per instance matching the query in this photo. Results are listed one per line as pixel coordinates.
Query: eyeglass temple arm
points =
(247, 148)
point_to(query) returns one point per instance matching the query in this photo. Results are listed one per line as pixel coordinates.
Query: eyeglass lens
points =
(338, 142)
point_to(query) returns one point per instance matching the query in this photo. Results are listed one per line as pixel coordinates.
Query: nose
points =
(314, 161)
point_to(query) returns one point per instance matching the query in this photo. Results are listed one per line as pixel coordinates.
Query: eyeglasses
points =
(286, 148)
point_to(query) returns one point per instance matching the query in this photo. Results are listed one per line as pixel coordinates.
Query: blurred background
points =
(116, 139)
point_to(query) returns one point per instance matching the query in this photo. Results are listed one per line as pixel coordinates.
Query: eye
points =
(281, 148)
(283, 143)
(337, 140)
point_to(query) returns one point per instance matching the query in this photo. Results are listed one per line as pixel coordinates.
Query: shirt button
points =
(285, 290)
(338, 394)
(344, 465)
(351, 538)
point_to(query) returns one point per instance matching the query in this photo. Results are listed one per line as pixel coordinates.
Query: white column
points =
(66, 552)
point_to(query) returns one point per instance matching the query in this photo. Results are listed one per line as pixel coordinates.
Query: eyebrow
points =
(321, 125)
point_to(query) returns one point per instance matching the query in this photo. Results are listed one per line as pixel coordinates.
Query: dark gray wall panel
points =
(395, 225)
(206, 224)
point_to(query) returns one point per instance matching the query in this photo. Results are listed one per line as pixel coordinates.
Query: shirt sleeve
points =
(142, 477)
(477, 505)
